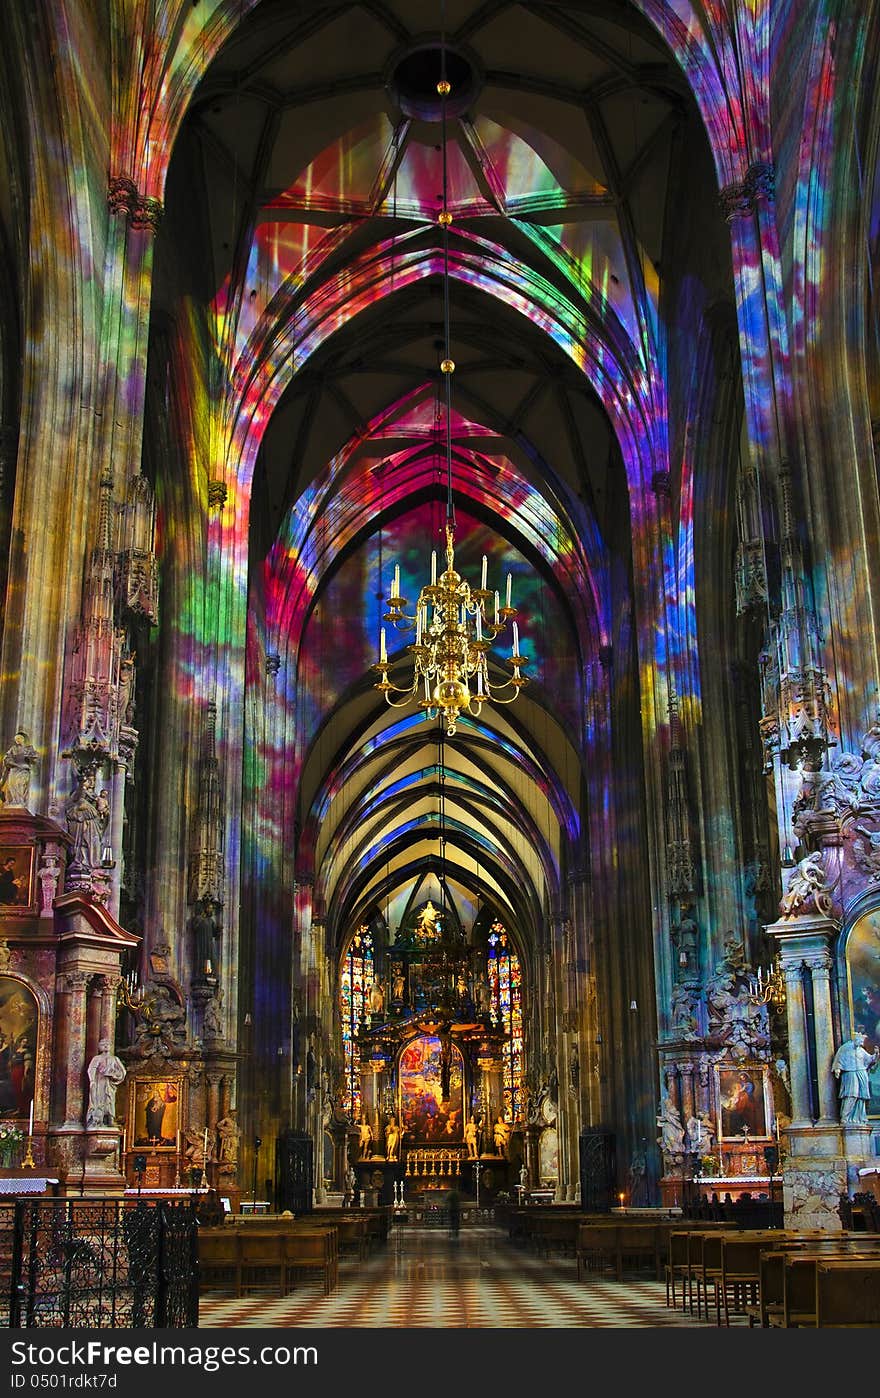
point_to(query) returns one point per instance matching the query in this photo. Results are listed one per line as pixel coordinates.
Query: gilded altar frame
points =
(743, 1097)
(156, 1105)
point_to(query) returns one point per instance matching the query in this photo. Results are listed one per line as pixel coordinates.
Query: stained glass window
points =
(354, 986)
(505, 985)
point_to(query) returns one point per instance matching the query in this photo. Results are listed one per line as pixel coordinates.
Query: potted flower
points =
(11, 1137)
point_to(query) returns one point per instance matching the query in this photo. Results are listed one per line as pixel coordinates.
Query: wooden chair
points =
(262, 1262)
(738, 1281)
(676, 1264)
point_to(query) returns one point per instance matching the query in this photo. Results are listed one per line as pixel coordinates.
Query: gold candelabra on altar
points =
(768, 988)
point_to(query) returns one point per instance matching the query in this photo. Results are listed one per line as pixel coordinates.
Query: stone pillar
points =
(72, 1009)
(687, 1092)
(114, 834)
(796, 1021)
(820, 967)
(815, 1171)
(110, 985)
(212, 1116)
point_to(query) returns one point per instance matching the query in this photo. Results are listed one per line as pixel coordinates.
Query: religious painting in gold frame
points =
(743, 1097)
(863, 985)
(155, 1114)
(16, 877)
(426, 1117)
(19, 1029)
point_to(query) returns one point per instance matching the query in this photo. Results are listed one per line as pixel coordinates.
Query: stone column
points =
(72, 1008)
(212, 1081)
(820, 967)
(815, 1170)
(796, 1021)
(687, 1092)
(109, 986)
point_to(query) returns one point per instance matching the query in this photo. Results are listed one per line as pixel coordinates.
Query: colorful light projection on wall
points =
(354, 988)
(505, 988)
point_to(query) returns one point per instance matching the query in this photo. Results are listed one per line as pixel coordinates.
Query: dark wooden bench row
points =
(749, 1272)
(246, 1260)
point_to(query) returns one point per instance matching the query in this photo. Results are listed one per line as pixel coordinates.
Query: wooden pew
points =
(799, 1279)
(310, 1250)
(219, 1259)
(250, 1259)
(848, 1292)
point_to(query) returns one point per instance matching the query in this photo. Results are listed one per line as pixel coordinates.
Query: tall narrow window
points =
(355, 981)
(505, 985)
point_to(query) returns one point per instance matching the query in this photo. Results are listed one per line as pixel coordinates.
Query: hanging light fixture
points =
(455, 625)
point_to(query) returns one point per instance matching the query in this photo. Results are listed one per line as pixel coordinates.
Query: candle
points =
(699, 1131)
(509, 581)
(515, 650)
(496, 608)
(419, 615)
(383, 654)
(479, 623)
(485, 569)
(433, 567)
(31, 1122)
(777, 1127)
(396, 591)
(206, 1145)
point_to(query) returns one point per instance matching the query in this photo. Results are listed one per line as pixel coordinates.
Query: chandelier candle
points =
(453, 636)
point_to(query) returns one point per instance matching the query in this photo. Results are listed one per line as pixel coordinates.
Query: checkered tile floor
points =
(426, 1278)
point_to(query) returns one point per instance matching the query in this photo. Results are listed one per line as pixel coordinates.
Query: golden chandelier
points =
(454, 627)
(454, 634)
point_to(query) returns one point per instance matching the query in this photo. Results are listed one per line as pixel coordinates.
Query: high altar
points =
(433, 1101)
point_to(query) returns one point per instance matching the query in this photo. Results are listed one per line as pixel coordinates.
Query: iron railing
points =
(98, 1263)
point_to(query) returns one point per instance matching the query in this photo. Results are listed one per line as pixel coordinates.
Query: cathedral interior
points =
(321, 863)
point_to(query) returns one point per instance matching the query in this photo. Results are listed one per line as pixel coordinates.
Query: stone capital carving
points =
(139, 210)
(122, 195)
(72, 981)
(147, 213)
(217, 494)
(741, 198)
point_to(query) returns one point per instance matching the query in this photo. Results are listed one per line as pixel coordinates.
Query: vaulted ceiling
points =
(308, 179)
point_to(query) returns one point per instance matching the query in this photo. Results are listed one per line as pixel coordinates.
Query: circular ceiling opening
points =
(413, 81)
